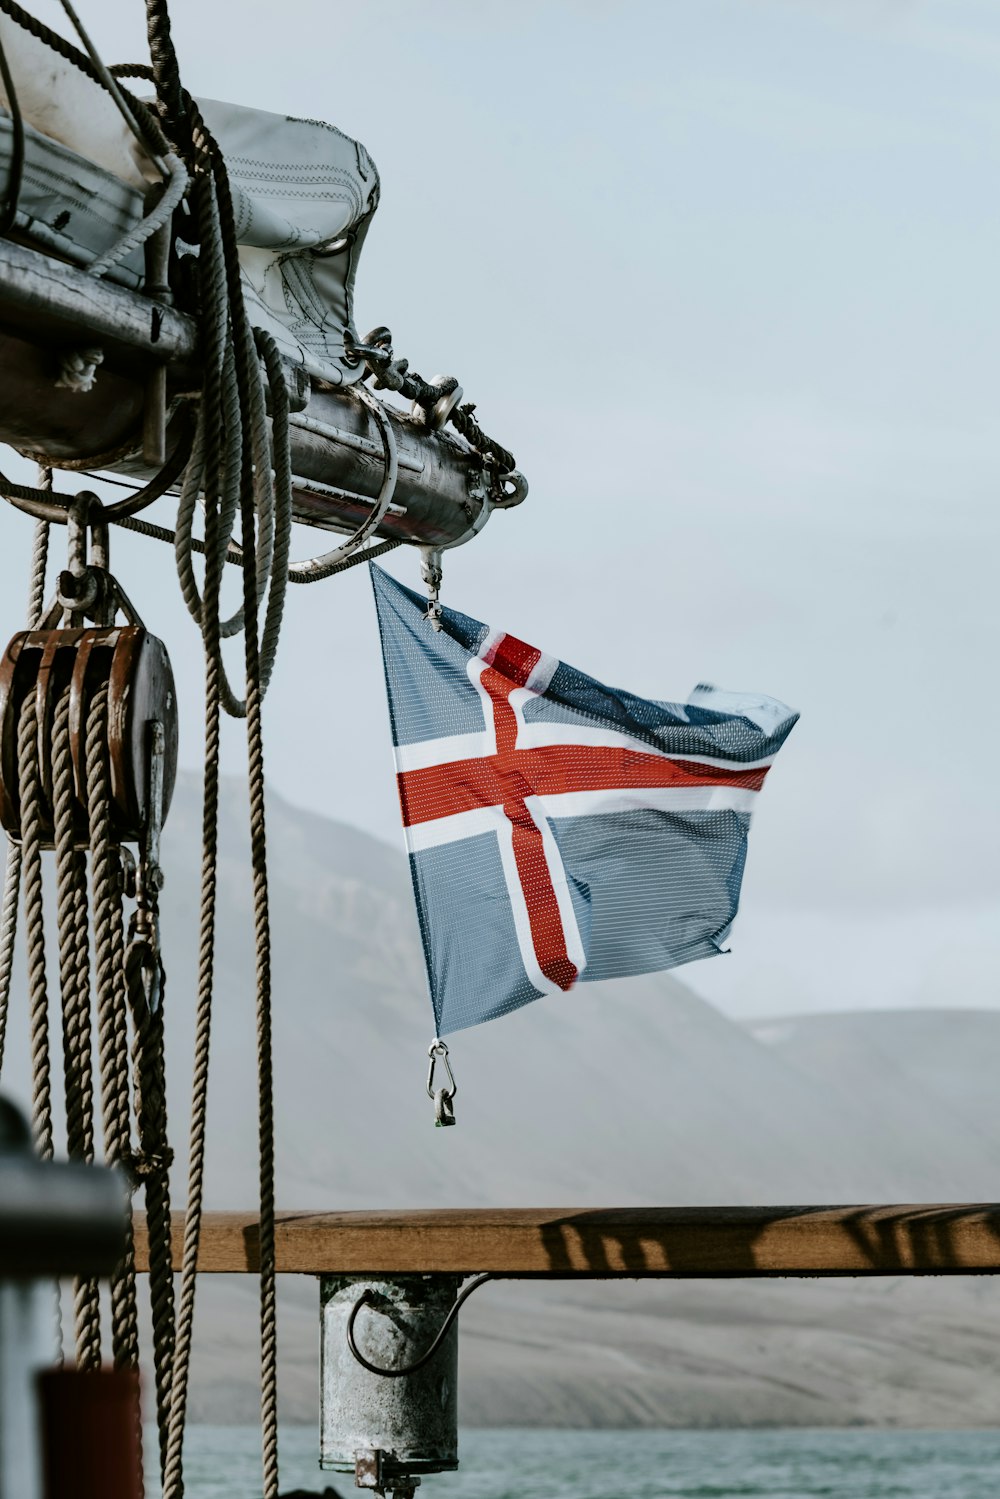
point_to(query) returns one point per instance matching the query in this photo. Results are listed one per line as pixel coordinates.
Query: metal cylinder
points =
(27, 1323)
(388, 1428)
(56, 1219)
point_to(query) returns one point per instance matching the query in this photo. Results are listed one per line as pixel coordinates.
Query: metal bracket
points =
(368, 1469)
(86, 588)
(142, 958)
(437, 415)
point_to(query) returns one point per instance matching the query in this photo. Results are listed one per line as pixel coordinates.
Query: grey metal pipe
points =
(442, 493)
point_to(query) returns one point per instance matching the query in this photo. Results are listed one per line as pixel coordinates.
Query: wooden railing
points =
(599, 1243)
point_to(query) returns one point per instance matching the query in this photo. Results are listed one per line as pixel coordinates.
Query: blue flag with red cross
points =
(559, 830)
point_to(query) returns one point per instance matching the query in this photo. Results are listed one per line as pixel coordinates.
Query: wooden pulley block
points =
(136, 668)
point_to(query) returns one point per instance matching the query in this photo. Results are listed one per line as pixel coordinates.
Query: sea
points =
(223, 1462)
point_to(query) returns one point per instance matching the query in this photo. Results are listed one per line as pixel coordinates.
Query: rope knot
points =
(141, 1166)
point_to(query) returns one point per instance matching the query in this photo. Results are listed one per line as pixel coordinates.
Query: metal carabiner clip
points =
(444, 1110)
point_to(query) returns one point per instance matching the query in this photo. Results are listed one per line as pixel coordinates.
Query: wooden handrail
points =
(601, 1243)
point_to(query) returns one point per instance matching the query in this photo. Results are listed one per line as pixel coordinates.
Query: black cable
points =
(368, 1298)
(8, 213)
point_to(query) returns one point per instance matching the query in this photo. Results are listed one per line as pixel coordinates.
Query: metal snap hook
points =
(444, 1109)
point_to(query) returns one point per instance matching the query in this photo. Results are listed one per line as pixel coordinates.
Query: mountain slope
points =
(620, 1093)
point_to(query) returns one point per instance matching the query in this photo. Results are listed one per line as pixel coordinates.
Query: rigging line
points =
(44, 503)
(30, 797)
(234, 555)
(74, 985)
(281, 436)
(262, 937)
(112, 1024)
(87, 473)
(257, 502)
(12, 871)
(173, 1476)
(112, 1033)
(174, 187)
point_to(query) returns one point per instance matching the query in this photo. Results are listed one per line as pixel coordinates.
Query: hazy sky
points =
(723, 273)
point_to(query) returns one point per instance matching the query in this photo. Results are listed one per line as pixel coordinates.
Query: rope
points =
(234, 554)
(12, 871)
(262, 934)
(173, 1477)
(112, 1029)
(281, 436)
(465, 423)
(394, 374)
(165, 72)
(30, 793)
(74, 977)
(266, 523)
(8, 932)
(39, 564)
(160, 214)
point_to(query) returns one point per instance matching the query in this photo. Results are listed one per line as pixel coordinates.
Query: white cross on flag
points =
(560, 830)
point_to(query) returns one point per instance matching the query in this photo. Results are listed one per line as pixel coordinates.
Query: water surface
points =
(223, 1462)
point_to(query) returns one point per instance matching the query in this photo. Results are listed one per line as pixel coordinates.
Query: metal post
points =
(27, 1345)
(56, 1219)
(388, 1431)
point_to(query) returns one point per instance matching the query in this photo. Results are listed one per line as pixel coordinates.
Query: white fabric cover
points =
(63, 103)
(303, 195)
(71, 207)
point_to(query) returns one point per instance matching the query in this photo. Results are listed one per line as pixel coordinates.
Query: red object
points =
(91, 1434)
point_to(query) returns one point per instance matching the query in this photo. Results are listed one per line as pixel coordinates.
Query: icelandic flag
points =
(559, 830)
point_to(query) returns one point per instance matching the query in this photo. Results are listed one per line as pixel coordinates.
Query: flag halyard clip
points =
(444, 1108)
(431, 572)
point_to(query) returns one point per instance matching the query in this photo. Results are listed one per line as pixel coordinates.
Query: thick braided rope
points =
(30, 791)
(257, 506)
(226, 463)
(39, 558)
(74, 975)
(281, 436)
(74, 983)
(8, 933)
(223, 457)
(173, 1478)
(176, 187)
(166, 71)
(109, 968)
(265, 1084)
(465, 423)
(12, 871)
(248, 367)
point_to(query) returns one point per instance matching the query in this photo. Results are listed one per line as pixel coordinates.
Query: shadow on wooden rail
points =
(603, 1243)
